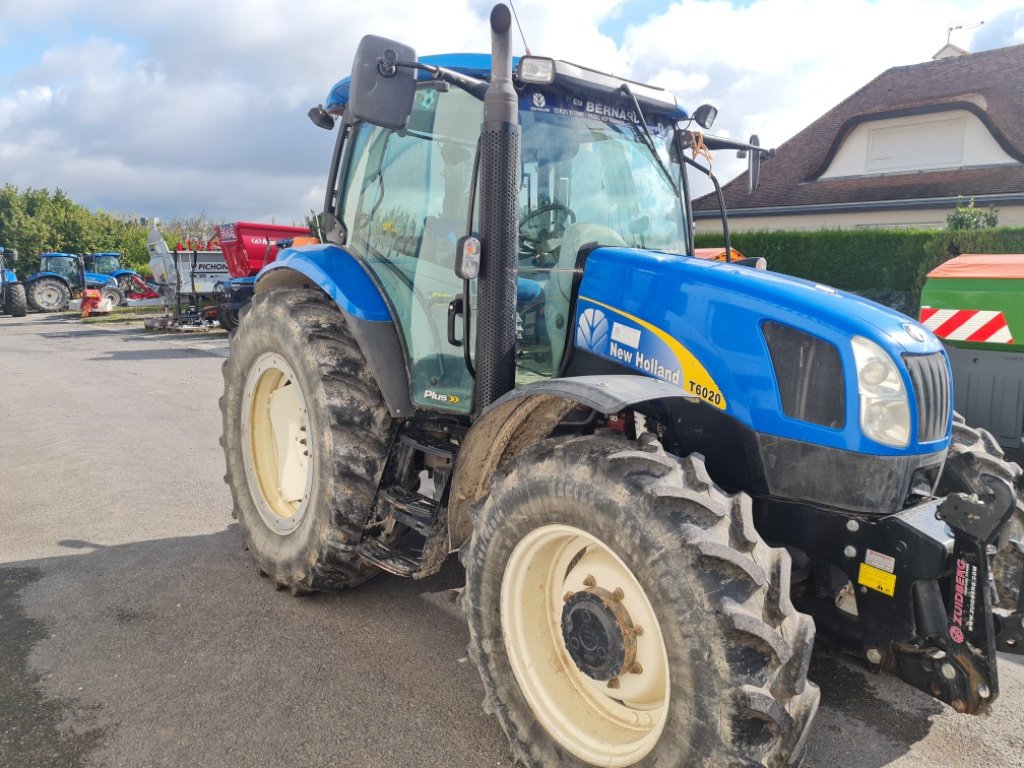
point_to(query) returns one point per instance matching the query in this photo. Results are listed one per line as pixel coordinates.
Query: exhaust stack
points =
(499, 222)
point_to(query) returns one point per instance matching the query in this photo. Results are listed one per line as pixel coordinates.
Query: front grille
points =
(930, 378)
(809, 374)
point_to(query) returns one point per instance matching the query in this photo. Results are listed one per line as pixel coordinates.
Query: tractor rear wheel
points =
(48, 294)
(16, 304)
(623, 610)
(988, 456)
(305, 437)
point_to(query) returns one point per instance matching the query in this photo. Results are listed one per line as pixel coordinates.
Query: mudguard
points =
(527, 415)
(343, 278)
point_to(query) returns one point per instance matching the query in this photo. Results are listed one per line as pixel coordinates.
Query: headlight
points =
(884, 406)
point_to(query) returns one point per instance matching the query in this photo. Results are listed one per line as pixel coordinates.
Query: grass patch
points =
(125, 315)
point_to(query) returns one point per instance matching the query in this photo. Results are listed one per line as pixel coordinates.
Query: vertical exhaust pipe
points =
(499, 222)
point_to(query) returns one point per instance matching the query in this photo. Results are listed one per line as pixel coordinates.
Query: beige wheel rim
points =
(275, 443)
(611, 724)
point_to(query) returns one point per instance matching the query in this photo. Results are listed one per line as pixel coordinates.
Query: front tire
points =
(49, 294)
(636, 538)
(111, 293)
(305, 438)
(16, 304)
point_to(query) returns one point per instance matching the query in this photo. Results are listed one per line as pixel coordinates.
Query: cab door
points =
(405, 202)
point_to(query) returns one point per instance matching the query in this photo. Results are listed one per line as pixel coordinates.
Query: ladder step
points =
(421, 441)
(410, 508)
(386, 559)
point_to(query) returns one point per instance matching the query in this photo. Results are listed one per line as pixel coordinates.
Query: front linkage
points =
(910, 593)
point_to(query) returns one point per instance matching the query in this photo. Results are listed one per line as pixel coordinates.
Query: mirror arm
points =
(721, 203)
(468, 84)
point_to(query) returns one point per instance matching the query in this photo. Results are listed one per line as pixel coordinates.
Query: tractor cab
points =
(595, 170)
(61, 277)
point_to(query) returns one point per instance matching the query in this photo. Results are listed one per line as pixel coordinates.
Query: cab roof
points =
(571, 76)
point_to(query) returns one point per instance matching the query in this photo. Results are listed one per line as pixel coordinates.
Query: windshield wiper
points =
(643, 132)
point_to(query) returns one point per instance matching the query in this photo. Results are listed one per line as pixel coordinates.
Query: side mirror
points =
(705, 116)
(381, 92)
(753, 165)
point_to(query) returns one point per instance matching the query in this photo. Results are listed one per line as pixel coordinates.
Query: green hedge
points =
(886, 265)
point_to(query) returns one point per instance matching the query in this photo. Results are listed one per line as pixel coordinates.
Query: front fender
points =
(338, 274)
(524, 417)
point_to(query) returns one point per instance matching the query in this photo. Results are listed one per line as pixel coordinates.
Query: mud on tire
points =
(736, 650)
(346, 431)
(988, 456)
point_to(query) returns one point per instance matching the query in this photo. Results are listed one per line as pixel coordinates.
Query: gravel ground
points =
(135, 632)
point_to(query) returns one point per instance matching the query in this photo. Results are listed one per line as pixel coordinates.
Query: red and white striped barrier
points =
(981, 325)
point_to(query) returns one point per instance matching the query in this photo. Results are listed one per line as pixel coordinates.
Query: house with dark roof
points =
(899, 152)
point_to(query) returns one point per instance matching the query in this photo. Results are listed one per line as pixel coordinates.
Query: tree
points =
(969, 217)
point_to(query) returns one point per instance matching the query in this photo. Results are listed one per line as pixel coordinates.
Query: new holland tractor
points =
(12, 293)
(663, 474)
(62, 277)
(130, 282)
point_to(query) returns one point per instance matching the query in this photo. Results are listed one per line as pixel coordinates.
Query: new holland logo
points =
(539, 101)
(592, 330)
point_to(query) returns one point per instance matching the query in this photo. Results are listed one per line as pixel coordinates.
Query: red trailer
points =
(248, 246)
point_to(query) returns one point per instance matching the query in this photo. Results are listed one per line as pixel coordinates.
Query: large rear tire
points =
(48, 294)
(16, 304)
(988, 456)
(634, 537)
(305, 438)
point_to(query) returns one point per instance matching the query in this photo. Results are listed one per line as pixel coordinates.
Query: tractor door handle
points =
(455, 309)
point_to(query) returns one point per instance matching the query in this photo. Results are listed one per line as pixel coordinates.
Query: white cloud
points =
(175, 106)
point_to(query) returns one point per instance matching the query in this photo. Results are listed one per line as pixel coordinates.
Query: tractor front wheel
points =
(16, 304)
(111, 293)
(623, 610)
(48, 294)
(305, 437)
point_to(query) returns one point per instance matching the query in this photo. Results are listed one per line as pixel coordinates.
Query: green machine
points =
(975, 304)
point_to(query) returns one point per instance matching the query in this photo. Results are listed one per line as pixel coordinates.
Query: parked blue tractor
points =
(664, 475)
(12, 293)
(62, 277)
(109, 263)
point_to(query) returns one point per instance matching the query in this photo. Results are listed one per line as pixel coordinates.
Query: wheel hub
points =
(598, 633)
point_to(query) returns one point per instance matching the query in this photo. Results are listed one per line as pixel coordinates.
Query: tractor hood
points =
(704, 325)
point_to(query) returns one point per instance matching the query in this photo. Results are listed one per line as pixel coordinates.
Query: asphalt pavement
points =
(134, 631)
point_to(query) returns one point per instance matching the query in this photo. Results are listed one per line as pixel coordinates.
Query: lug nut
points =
(874, 655)
(850, 551)
(637, 630)
(567, 596)
(618, 594)
(852, 526)
(589, 581)
(613, 683)
(636, 669)
(948, 671)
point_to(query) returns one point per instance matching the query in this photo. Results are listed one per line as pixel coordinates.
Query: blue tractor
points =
(664, 475)
(109, 263)
(12, 293)
(62, 277)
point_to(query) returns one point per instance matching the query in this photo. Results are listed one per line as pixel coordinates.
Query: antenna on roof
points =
(951, 29)
(520, 28)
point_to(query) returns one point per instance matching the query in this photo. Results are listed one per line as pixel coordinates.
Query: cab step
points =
(390, 560)
(412, 509)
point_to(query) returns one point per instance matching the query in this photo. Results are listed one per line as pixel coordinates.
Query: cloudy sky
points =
(174, 107)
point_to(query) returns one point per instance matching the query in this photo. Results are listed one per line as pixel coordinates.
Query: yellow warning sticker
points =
(877, 579)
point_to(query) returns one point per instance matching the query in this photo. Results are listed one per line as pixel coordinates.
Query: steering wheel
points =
(540, 240)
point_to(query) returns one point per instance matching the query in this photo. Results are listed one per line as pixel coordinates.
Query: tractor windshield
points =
(405, 200)
(105, 265)
(61, 265)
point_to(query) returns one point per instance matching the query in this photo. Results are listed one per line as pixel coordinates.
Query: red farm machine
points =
(247, 248)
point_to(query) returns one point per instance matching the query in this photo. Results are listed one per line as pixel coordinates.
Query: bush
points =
(886, 265)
